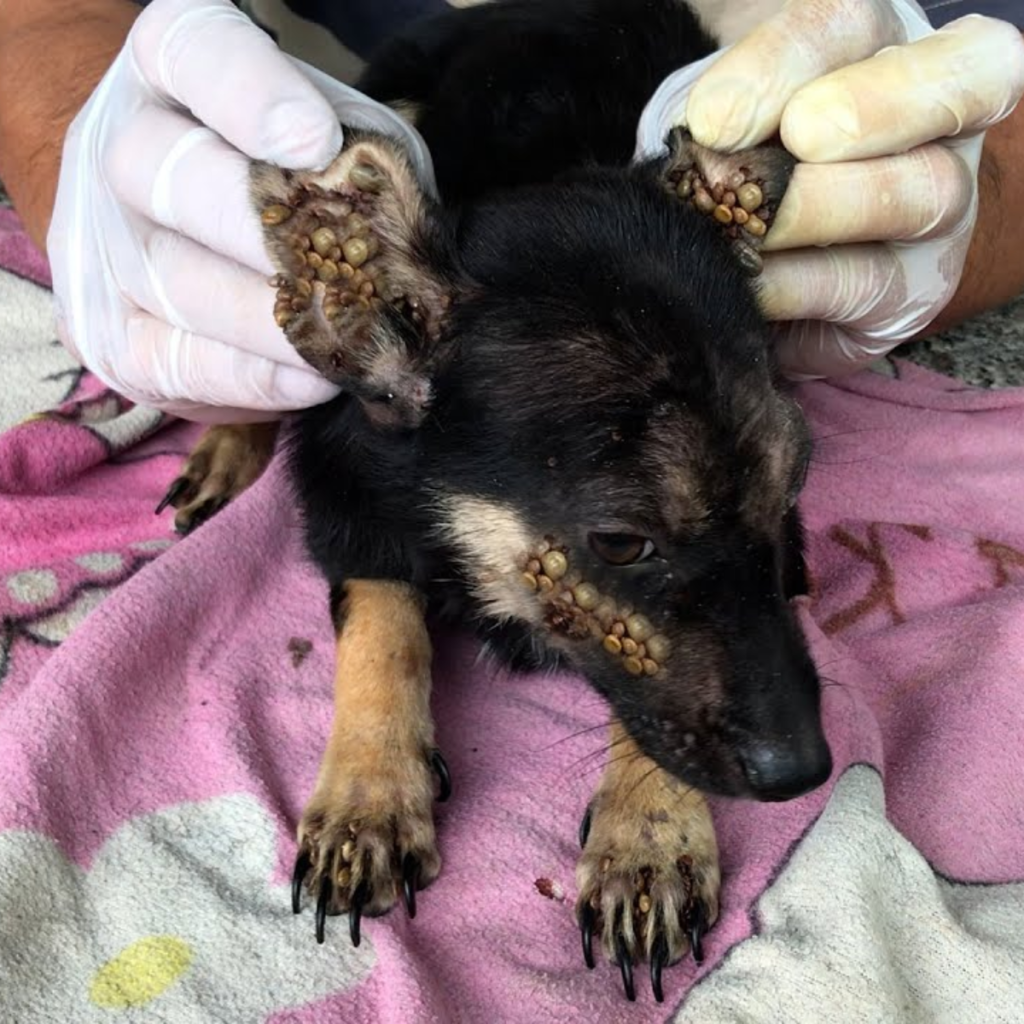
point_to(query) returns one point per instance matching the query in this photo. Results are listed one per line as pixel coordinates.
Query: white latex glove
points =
(887, 117)
(159, 269)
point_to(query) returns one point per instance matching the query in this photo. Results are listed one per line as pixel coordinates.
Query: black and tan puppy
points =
(559, 425)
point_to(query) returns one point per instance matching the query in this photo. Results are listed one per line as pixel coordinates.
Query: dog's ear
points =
(739, 191)
(364, 285)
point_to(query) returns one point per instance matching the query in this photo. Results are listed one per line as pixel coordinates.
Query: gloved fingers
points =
(208, 57)
(918, 195)
(738, 102)
(851, 284)
(812, 349)
(960, 80)
(195, 289)
(731, 21)
(167, 368)
(181, 175)
(186, 409)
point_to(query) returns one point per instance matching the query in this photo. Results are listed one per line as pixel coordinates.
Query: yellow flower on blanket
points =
(176, 920)
(140, 973)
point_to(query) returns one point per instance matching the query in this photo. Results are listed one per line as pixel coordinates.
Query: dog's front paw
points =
(367, 836)
(648, 877)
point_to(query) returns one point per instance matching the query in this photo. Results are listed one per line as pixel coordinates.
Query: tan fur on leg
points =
(372, 804)
(224, 463)
(650, 856)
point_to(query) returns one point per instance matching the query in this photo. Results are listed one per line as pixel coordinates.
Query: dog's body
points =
(559, 426)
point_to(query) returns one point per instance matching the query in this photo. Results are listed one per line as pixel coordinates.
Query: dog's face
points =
(608, 459)
(616, 468)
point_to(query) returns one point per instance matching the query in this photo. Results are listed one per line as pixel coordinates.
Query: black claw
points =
(438, 763)
(626, 966)
(200, 515)
(322, 903)
(302, 864)
(585, 828)
(174, 492)
(355, 913)
(205, 512)
(698, 929)
(410, 882)
(587, 932)
(659, 956)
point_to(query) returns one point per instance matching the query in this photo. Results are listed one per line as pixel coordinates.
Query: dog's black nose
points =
(778, 770)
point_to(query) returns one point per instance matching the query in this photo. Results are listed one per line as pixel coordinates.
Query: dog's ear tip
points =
(741, 191)
(363, 282)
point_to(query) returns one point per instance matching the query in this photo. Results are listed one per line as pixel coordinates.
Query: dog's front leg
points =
(367, 833)
(648, 877)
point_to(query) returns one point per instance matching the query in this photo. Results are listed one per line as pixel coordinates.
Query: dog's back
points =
(523, 90)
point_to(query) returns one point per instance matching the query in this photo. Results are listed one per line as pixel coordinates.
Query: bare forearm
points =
(52, 55)
(994, 272)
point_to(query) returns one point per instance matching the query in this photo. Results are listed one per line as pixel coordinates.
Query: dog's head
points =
(608, 456)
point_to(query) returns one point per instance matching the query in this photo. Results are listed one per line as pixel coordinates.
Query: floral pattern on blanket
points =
(158, 739)
(144, 930)
(67, 443)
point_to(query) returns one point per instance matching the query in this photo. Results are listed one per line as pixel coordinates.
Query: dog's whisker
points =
(643, 778)
(600, 752)
(820, 463)
(573, 736)
(835, 661)
(818, 438)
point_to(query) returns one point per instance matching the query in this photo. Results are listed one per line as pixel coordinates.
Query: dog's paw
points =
(648, 881)
(367, 838)
(224, 463)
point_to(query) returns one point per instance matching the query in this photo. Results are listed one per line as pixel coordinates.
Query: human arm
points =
(52, 55)
(992, 273)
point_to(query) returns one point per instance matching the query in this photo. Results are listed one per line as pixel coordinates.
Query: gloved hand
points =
(887, 117)
(158, 263)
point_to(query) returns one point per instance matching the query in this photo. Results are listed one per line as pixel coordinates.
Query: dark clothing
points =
(362, 25)
(942, 11)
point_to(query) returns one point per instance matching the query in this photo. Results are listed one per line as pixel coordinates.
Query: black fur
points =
(602, 334)
(519, 92)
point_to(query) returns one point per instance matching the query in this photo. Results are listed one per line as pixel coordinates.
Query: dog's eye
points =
(621, 548)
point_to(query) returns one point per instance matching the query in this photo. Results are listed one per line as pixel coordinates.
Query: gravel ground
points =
(987, 351)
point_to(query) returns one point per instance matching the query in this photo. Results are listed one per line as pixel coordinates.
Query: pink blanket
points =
(160, 728)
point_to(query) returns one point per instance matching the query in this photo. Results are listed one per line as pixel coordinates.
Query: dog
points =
(560, 424)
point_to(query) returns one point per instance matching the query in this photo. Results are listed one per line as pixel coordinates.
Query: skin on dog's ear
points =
(740, 191)
(363, 283)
